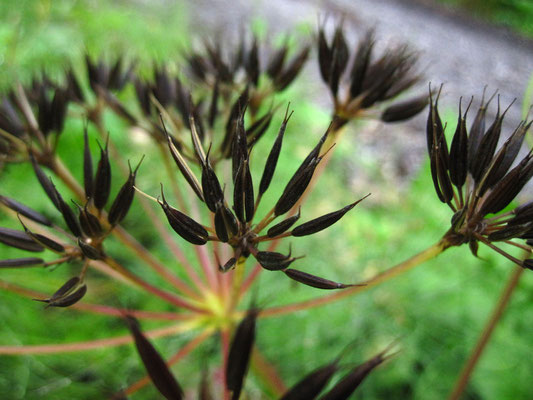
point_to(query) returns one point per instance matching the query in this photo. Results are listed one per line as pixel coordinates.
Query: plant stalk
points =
(486, 334)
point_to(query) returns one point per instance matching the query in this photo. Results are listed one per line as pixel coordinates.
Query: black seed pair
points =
(313, 384)
(68, 294)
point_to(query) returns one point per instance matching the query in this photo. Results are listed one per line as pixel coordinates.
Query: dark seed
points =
(240, 352)
(296, 187)
(312, 280)
(70, 299)
(183, 167)
(20, 240)
(477, 129)
(361, 63)
(292, 70)
(487, 147)
(186, 227)
(87, 166)
(21, 262)
(45, 182)
(324, 55)
(228, 265)
(312, 384)
(275, 65)
(68, 216)
(102, 181)
(323, 222)
(67, 294)
(283, 226)
(155, 365)
(89, 223)
(273, 261)
(509, 232)
(25, 210)
(66, 288)
(122, 203)
(459, 151)
(404, 110)
(273, 156)
(226, 225)
(347, 385)
(43, 240)
(211, 186)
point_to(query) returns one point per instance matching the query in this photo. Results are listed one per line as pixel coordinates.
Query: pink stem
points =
(87, 345)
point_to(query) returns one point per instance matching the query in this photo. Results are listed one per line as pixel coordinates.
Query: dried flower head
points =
(236, 225)
(359, 82)
(477, 180)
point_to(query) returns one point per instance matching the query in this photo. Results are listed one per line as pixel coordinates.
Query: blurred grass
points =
(436, 311)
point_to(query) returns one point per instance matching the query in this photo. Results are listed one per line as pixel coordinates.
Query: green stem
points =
(407, 265)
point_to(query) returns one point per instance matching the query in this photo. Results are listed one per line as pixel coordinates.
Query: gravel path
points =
(463, 54)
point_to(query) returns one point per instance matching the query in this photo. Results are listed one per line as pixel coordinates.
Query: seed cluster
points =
(475, 179)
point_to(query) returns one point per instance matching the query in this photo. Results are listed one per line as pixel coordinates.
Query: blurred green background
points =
(436, 311)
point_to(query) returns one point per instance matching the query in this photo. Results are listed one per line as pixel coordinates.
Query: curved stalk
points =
(423, 256)
(486, 334)
(91, 344)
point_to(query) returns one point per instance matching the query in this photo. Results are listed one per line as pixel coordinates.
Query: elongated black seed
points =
(323, 222)
(226, 225)
(155, 365)
(21, 262)
(406, 109)
(184, 167)
(89, 223)
(122, 203)
(66, 295)
(459, 151)
(185, 226)
(283, 226)
(228, 265)
(25, 210)
(43, 240)
(45, 182)
(68, 216)
(211, 187)
(313, 280)
(20, 240)
(272, 160)
(293, 68)
(273, 261)
(240, 352)
(66, 288)
(312, 384)
(70, 299)
(88, 181)
(102, 181)
(296, 187)
(347, 385)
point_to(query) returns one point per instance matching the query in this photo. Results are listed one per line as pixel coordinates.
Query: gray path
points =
(463, 54)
